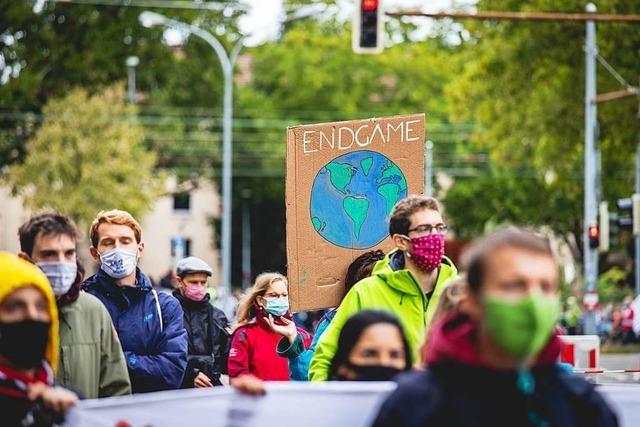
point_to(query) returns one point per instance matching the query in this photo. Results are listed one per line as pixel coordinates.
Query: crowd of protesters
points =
(475, 349)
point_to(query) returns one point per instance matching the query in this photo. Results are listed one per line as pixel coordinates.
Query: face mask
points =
(427, 251)
(61, 275)
(118, 263)
(277, 306)
(522, 327)
(195, 294)
(373, 372)
(24, 343)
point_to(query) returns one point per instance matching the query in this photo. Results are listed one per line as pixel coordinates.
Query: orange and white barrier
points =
(581, 351)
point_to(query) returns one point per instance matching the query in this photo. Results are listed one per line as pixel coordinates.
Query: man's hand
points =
(288, 330)
(202, 381)
(248, 384)
(57, 399)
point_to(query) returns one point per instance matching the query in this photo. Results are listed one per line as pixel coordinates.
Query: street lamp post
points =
(150, 19)
(132, 63)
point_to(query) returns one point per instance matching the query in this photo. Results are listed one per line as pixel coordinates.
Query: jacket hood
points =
(453, 339)
(392, 270)
(17, 273)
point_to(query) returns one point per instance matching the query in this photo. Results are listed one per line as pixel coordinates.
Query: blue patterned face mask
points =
(61, 275)
(277, 306)
(118, 263)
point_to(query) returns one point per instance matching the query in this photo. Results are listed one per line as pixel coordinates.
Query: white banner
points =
(335, 404)
(625, 399)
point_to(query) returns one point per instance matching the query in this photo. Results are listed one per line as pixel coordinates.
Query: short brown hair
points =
(114, 216)
(400, 219)
(45, 224)
(475, 259)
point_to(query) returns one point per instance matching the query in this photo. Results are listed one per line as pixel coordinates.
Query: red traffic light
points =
(369, 5)
(594, 236)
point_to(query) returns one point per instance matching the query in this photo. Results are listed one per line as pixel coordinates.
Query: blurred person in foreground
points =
(207, 326)
(495, 363)
(29, 347)
(372, 347)
(92, 361)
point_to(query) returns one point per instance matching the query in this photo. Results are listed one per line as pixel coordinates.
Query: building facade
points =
(179, 225)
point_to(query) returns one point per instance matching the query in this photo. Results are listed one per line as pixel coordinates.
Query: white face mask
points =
(61, 275)
(118, 263)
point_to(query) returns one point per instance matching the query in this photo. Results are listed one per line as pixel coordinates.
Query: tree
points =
(88, 155)
(522, 83)
(45, 53)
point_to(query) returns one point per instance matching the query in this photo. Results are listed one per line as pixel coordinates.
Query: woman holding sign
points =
(266, 339)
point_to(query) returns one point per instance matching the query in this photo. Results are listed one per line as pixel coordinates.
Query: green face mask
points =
(522, 327)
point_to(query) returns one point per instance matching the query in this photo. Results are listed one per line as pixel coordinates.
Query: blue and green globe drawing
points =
(352, 197)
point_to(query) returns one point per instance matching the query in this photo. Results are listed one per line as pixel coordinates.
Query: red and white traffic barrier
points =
(606, 371)
(581, 351)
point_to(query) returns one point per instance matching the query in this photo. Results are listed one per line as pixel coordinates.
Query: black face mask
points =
(373, 372)
(24, 343)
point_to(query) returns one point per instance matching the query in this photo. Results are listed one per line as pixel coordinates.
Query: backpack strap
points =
(155, 296)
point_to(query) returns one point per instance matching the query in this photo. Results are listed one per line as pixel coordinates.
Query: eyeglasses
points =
(429, 229)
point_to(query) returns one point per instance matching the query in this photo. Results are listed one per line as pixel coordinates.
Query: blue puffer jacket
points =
(155, 348)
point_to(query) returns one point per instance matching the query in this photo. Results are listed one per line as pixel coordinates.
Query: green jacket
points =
(393, 288)
(91, 359)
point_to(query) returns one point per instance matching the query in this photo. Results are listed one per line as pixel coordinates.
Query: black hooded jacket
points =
(209, 339)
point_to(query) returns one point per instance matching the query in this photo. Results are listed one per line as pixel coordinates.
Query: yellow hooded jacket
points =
(16, 273)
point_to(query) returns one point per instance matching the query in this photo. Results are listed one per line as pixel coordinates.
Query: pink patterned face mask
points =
(195, 293)
(427, 251)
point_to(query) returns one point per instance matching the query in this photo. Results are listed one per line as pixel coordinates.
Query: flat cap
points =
(192, 265)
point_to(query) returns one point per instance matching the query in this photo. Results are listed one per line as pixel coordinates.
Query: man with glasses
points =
(408, 282)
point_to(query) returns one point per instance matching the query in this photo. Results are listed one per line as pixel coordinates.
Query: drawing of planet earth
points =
(352, 197)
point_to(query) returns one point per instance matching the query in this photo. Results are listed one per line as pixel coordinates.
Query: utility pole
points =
(428, 168)
(132, 63)
(246, 238)
(590, 255)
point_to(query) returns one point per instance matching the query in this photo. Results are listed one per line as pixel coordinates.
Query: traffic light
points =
(367, 27)
(594, 236)
(630, 206)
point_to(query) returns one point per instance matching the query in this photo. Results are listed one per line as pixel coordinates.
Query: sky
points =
(262, 23)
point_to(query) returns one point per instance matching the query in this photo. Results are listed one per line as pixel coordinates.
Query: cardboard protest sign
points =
(343, 180)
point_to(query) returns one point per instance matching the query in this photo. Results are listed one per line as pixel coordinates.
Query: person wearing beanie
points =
(29, 347)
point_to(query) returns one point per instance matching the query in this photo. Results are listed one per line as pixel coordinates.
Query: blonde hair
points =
(114, 216)
(246, 308)
(452, 295)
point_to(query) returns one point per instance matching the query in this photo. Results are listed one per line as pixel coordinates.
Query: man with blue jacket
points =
(149, 324)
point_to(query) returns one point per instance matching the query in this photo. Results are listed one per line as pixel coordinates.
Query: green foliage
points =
(522, 83)
(612, 286)
(70, 45)
(85, 158)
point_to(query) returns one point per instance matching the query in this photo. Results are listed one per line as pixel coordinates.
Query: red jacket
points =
(253, 351)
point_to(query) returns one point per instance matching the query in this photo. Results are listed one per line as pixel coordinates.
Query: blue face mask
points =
(277, 306)
(118, 263)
